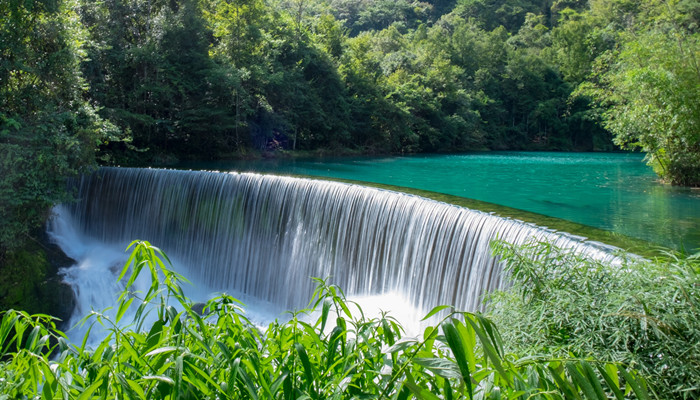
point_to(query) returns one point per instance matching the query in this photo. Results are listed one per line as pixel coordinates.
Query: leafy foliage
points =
(655, 103)
(342, 354)
(215, 78)
(648, 88)
(640, 312)
(202, 79)
(47, 130)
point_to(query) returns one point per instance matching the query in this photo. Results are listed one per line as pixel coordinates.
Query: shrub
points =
(639, 312)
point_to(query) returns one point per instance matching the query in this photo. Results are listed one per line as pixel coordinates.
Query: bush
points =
(343, 354)
(639, 312)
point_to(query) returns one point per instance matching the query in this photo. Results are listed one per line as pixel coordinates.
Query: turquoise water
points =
(611, 191)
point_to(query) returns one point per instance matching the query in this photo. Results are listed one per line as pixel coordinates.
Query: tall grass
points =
(644, 313)
(341, 354)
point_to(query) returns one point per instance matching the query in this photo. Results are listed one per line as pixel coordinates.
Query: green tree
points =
(47, 130)
(507, 13)
(576, 42)
(153, 75)
(375, 15)
(650, 91)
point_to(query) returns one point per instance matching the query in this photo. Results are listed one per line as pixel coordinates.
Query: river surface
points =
(610, 191)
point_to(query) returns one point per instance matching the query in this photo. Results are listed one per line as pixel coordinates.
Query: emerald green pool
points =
(611, 191)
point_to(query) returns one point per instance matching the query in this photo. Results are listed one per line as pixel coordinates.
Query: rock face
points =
(200, 308)
(30, 280)
(59, 299)
(56, 294)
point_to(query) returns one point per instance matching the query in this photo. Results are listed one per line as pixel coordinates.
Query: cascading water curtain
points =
(266, 236)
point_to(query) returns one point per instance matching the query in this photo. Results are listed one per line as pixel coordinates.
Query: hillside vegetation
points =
(143, 81)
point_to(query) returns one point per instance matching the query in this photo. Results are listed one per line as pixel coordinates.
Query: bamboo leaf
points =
(581, 381)
(327, 302)
(468, 342)
(609, 374)
(593, 379)
(336, 334)
(248, 383)
(280, 381)
(489, 349)
(440, 366)
(123, 306)
(159, 378)
(200, 372)
(32, 339)
(434, 311)
(153, 337)
(137, 389)
(636, 386)
(455, 342)
(419, 392)
(9, 320)
(87, 393)
(308, 370)
(402, 344)
(386, 331)
(161, 350)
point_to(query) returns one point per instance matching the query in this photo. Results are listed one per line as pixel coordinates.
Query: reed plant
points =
(339, 354)
(641, 312)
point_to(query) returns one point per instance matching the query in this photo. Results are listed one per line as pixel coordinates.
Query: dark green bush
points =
(639, 312)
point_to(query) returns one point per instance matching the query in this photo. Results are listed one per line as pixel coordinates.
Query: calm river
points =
(611, 191)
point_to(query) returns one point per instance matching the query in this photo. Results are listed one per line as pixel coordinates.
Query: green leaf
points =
(162, 350)
(440, 367)
(153, 337)
(280, 381)
(248, 383)
(402, 344)
(386, 331)
(636, 386)
(434, 311)
(159, 378)
(454, 340)
(581, 381)
(308, 370)
(593, 379)
(336, 334)
(87, 393)
(123, 306)
(136, 388)
(32, 339)
(609, 374)
(9, 320)
(419, 392)
(489, 348)
(327, 302)
(468, 343)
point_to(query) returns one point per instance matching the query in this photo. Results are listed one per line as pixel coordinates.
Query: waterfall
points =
(266, 236)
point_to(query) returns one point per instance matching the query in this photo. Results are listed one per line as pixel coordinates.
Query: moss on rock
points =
(29, 280)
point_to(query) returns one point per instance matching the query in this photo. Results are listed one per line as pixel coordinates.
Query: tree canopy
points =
(649, 88)
(145, 81)
(48, 130)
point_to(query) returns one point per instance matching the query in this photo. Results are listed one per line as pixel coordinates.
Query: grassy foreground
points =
(222, 355)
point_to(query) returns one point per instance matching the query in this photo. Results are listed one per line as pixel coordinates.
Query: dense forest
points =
(153, 81)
